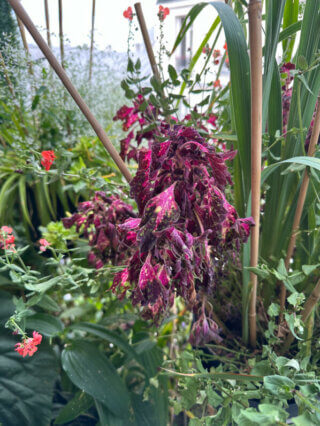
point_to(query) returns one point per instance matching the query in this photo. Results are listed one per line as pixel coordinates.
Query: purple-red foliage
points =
(286, 93)
(187, 231)
(137, 120)
(97, 221)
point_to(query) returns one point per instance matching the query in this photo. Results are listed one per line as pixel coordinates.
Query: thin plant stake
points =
(46, 11)
(61, 33)
(255, 27)
(300, 204)
(147, 41)
(19, 10)
(92, 37)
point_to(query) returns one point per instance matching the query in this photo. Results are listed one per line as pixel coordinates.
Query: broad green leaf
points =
(251, 417)
(26, 384)
(93, 372)
(305, 419)
(79, 404)
(111, 336)
(7, 307)
(279, 385)
(106, 417)
(144, 412)
(45, 324)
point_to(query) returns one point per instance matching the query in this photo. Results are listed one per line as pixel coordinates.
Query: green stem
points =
(300, 117)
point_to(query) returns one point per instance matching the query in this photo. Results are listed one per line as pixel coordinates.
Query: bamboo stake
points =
(61, 33)
(310, 304)
(300, 204)
(92, 37)
(255, 25)
(147, 41)
(46, 10)
(19, 10)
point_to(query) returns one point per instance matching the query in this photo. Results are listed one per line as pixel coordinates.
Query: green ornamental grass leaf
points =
(93, 372)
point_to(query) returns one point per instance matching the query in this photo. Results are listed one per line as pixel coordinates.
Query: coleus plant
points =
(185, 233)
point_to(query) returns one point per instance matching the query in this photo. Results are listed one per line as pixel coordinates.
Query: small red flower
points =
(216, 53)
(225, 46)
(217, 83)
(163, 12)
(6, 238)
(29, 345)
(128, 14)
(206, 49)
(43, 244)
(212, 119)
(48, 158)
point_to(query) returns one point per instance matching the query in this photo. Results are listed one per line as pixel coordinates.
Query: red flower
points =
(43, 244)
(225, 46)
(206, 49)
(217, 83)
(29, 345)
(6, 238)
(216, 53)
(212, 120)
(128, 14)
(48, 158)
(163, 12)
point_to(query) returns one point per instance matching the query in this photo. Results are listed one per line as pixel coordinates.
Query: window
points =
(184, 51)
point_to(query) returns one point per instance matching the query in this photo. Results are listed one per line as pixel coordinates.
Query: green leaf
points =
(79, 404)
(23, 201)
(262, 273)
(302, 63)
(7, 307)
(26, 384)
(111, 336)
(45, 324)
(305, 419)
(188, 21)
(279, 385)
(308, 269)
(290, 18)
(172, 73)
(250, 417)
(106, 417)
(273, 23)
(93, 372)
(274, 310)
(291, 321)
